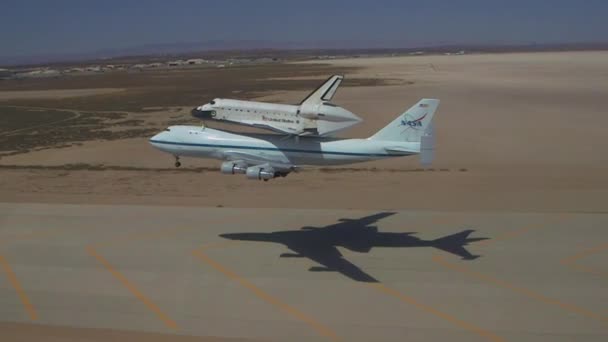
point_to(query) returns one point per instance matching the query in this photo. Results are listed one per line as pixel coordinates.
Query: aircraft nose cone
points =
(159, 138)
(202, 114)
(155, 141)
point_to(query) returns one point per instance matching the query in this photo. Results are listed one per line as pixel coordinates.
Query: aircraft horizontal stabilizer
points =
(455, 243)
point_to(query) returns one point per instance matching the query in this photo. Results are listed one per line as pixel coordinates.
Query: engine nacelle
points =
(326, 111)
(263, 173)
(230, 168)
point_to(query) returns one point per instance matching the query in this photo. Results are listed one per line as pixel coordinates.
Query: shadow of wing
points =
(332, 261)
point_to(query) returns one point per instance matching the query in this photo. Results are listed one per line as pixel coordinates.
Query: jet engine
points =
(258, 172)
(230, 168)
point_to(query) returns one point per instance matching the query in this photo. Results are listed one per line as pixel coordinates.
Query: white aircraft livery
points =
(266, 156)
(314, 116)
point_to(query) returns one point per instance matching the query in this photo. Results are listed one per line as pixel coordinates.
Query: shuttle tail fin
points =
(324, 92)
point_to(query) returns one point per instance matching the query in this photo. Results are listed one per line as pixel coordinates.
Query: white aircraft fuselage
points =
(196, 141)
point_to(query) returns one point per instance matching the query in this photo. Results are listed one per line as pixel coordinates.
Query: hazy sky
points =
(60, 26)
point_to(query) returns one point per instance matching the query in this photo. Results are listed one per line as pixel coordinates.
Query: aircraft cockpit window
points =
(212, 102)
(167, 130)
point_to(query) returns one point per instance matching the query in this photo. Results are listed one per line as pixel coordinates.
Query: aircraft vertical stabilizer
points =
(410, 126)
(427, 146)
(325, 92)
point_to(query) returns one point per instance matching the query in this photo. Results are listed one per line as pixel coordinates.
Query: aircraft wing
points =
(331, 260)
(325, 91)
(261, 158)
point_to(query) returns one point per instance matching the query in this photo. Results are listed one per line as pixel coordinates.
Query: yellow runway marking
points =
(571, 261)
(25, 300)
(520, 290)
(460, 323)
(133, 289)
(314, 324)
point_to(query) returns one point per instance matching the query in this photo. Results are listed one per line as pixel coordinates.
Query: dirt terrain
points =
(520, 131)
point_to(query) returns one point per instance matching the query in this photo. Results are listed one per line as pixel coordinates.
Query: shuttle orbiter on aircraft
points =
(314, 116)
(266, 156)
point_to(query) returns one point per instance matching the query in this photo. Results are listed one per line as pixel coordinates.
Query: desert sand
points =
(54, 94)
(522, 131)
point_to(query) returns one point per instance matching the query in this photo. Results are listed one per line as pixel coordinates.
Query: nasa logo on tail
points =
(416, 123)
(410, 122)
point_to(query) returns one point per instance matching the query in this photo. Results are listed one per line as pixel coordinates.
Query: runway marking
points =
(314, 324)
(133, 289)
(460, 323)
(571, 260)
(518, 289)
(25, 300)
(516, 232)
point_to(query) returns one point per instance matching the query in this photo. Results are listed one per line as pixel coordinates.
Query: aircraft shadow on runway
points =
(360, 235)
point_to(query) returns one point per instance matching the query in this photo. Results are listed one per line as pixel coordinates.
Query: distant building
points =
(176, 63)
(194, 61)
(38, 73)
(5, 74)
(74, 70)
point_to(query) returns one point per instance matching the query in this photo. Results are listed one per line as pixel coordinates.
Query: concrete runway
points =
(167, 270)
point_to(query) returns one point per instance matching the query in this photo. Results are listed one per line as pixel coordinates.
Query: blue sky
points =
(30, 27)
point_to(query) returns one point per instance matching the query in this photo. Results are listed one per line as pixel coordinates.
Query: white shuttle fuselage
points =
(314, 116)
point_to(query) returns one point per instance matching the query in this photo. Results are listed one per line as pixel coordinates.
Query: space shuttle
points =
(314, 116)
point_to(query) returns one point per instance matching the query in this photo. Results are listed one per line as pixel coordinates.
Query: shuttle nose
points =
(203, 114)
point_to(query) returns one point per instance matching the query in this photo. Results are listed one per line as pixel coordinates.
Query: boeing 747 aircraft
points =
(314, 116)
(267, 156)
